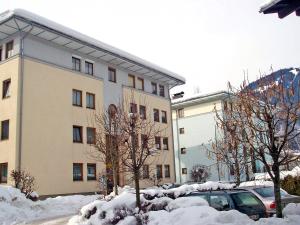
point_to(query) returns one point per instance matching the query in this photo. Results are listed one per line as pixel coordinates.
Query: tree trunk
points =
(276, 181)
(137, 188)
(115, 177)
(252, 156)
(246, 163)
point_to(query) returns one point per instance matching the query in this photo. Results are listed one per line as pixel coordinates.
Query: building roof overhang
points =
(282, 7)
(18, 20)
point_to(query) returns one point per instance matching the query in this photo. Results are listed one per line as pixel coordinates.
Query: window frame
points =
(1, 168)
(81, 134)
(139, 79)
(94, 165)
(4, 135)
(183, 151)
(87, 68)
(6, 86)
(156, 138)
(111, 69)
(75, 60)
(184, 171)
(146, 174)
(159, 168)
(167, 168)
(81, 171)
(133, 108)
(161, 87)
(132, 77)
(181, 130)
(86, 100)
(164, 119)
(94, 135)
(76, 91)
(156, 118)
(9, 52)
(154, 91)
(167, 144)
(143, 116)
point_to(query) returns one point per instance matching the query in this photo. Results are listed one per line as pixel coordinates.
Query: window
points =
(90, 100)
(154, 88)
(6, 88)
(91, 135)
(143, 112)
(144, 141)
(181, 130)
(133, 108)
(140, 84)
(161, 91)
(76, 64)
(145, 171)
(131, 81)
(0, 53)
(163, 116)
(3, 173)
(77, 134)
(184, 170)
(5, 130)
(158, 171)
(9, 49)
(183, 150)
(180, 113)
(77, 172)
(167, 171)
(112, 75)
(157, 143)
(219, 202)
(77, 98)
(156, 115)
(89, 68)
(91, 171)
(165, 144)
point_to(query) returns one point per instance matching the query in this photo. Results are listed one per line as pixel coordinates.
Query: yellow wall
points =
(166, 157)
(48, 151)
(9, 69)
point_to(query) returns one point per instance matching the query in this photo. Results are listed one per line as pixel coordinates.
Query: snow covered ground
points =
(15, 208)
(162, 210)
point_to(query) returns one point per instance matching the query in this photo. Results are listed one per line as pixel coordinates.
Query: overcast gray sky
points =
(209, 42)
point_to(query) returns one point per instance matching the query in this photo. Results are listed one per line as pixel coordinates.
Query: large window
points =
(5, 130)
(112, 76)
(89, 68)
(145, 171)
(167, 171)
(77, 98)
(165, 143)
(157, 143)
(161, 90)
(131, 81)
(77, 172)
(76, 64)
(77, 134)
(9, 49)
(3, 172)
(143, 112)
(90, 100)
(133, 108)
(154, 88)
(91, 171)
(140, 84)
(6, 88)
(158, 171)
(156, 115)
(163, 116)
(91, 135)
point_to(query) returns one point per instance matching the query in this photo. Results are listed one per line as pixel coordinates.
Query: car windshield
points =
(268, 192)
(246, 200)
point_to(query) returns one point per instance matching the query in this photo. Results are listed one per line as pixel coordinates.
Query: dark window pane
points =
(89, 68)
(3, 172)
(76, 64)
(154, 88)
(5, 130)
(112, 75)
(77, 172)
(163, 116)
(165, 144)
(156, 115)
(157, 143)
(91, 132)
(133, 108)
(158, 171)
(91, 171)
(9, 49)
(161, 91)
(77, 98)
(167, 171)
(6, 88)
(90, 101)
(77, 134)
(143, 112)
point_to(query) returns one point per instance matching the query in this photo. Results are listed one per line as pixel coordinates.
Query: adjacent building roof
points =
(282, 7)
(17, 20)
(199, 99)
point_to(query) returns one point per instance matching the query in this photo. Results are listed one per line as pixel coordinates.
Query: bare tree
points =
(265, 116)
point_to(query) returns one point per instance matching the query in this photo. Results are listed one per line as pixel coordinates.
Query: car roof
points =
(255, 186)
(228, 191)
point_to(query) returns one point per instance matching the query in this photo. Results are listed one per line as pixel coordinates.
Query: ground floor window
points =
(3, 172)
(77, 172)
(167, 171)
(91, 171)
(158, 171)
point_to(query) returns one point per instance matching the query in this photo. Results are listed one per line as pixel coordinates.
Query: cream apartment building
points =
(52, 81)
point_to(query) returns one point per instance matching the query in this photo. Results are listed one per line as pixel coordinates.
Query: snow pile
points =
(16, 208)
(265, 176)
(292, 209)
(256, 183)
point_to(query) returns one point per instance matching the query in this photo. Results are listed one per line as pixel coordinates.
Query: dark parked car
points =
(240, 200)
(266, 195)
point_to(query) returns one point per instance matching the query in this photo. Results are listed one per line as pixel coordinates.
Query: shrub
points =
(291, 185)
(23, 181)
